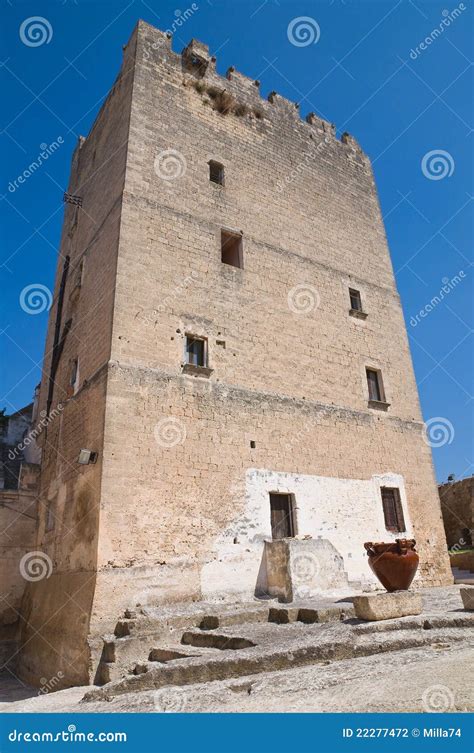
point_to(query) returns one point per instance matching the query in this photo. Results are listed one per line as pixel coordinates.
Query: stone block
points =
(387, 606)
(467, 596)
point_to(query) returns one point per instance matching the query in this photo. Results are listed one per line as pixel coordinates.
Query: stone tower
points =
(228, 347)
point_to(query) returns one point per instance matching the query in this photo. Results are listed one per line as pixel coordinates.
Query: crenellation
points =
(245, 82)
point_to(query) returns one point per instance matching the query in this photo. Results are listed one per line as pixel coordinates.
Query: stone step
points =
(153, 620)
(136, 634)
(315, 648)
(215, 640)
(308, 615)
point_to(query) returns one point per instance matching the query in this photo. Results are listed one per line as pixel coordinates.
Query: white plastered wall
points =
(347, 512)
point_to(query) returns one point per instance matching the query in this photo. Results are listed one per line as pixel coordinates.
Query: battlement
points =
(236, 93)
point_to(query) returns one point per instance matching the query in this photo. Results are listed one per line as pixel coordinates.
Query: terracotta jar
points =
(394, 564)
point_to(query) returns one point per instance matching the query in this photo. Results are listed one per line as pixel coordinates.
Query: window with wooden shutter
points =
(373, 384)
(196, 354)
(392, 509)
(356, 300)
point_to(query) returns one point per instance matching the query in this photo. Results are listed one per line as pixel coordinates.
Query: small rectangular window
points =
(196, 351)
(79, 274)
(356, 301)
(282, 516)
(74, 377)
(232, 249)
(49, 523)
(374, 383)
(392, 509)
(216, 172)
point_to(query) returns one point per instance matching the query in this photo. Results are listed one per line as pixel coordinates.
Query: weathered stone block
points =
(467, 596)
(297, 569)
(387, 606)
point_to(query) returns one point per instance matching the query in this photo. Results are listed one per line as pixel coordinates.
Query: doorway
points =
(282, 516)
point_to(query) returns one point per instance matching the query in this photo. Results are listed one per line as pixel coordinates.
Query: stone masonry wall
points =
(174, 476)
(291, 381)
(57, 610)
(18, 518)
(457, 507)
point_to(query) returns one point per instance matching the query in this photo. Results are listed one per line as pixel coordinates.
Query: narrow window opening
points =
(374, 383)
(232, 249)
(282, 516)
(49, 524)
(356, 300)
(392, 509)
(196, 351)
(80, 274)
(216, 172)
(74, 378)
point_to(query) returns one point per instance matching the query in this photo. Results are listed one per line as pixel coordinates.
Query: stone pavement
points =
(268, 656)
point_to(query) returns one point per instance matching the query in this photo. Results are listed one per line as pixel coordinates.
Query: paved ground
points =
(435, 678)
(416, 666)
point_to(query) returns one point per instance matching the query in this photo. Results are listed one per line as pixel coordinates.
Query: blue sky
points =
(366, 73)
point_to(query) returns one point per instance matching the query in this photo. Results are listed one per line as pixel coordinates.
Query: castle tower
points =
(228, 345)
